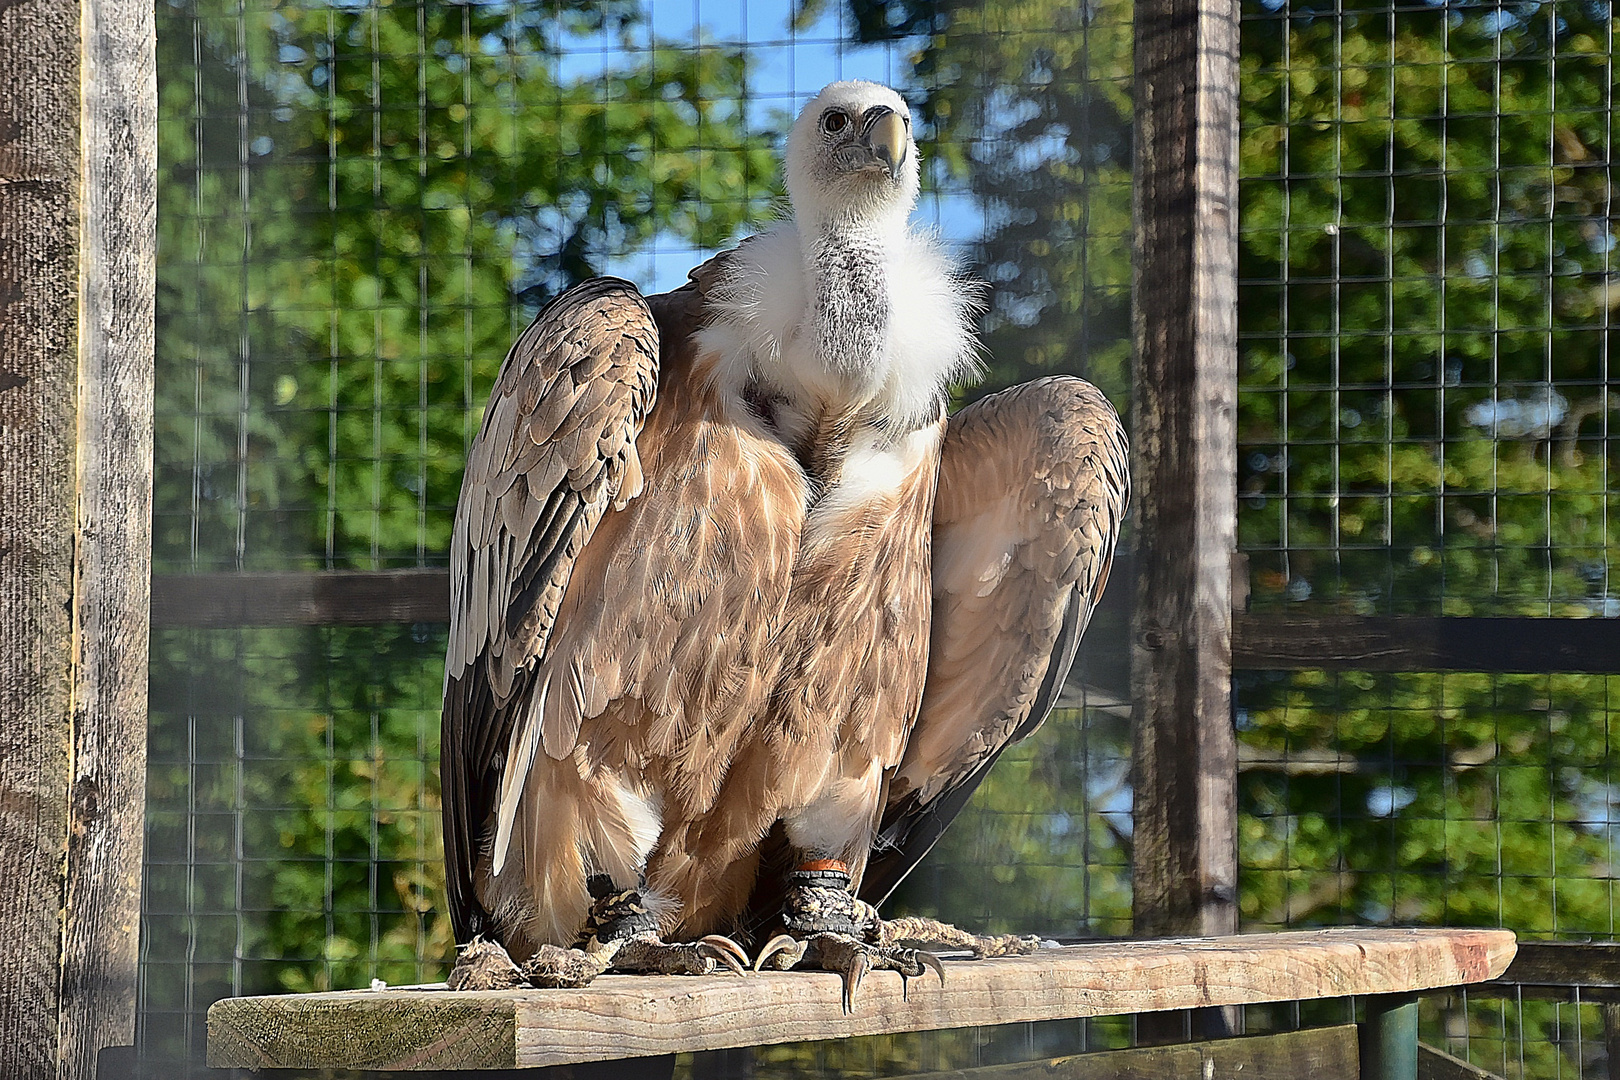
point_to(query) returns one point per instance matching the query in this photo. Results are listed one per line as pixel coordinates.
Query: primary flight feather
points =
(738, 618)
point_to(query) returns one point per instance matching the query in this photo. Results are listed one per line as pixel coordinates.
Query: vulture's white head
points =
(851, 158)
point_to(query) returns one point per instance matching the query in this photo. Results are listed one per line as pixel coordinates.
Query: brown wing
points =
(1032, 489)
(556, 448)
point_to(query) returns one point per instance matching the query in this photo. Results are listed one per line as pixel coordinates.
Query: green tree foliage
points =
(361, 204)
(1426, 248)
(354, 199)
(1425, 237)
(1426, 321)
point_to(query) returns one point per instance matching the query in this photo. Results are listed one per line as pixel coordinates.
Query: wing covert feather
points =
(1032, 490)
(550, 457)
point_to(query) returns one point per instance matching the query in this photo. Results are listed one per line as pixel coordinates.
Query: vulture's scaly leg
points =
(829, 929)
(924, 931)
(621, 934)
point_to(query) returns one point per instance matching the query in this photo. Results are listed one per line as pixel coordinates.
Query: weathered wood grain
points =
(1184, 456)
(1318, 1053)
(396, 1029)
(39, 328)
(631, 1016)
(107, 798)
(77, 184)
(1611, 1038)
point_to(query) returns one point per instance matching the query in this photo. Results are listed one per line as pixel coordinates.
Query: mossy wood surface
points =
(631, 1016)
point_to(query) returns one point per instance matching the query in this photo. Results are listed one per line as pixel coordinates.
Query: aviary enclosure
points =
(361, 203)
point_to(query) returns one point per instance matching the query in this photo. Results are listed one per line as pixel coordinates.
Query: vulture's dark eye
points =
(833, 121)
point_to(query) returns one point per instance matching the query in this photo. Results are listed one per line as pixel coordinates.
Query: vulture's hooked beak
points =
(886, 139)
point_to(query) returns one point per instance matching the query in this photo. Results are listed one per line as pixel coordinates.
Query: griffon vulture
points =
(739, 619)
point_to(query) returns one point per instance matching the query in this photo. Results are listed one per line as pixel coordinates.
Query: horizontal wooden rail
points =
(1424, 643)
(1259, 642)
(1560, 971)
(311, 598)
(1566, 963)
(633, 1016)
(1327, 1053)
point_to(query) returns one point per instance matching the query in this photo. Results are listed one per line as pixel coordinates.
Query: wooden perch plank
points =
(633, 1016)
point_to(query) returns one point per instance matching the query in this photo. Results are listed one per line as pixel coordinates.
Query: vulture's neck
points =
(847, 269)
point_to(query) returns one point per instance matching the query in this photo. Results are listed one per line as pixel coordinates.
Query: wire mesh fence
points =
(362, 203)
(1427, 253)
(1427, 249)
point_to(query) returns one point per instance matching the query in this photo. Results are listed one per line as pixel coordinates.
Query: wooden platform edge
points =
(634, 1016)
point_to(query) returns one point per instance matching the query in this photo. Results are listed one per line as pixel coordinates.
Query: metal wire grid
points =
(1427, 310)
(337, 286)
(365, 202)
(292, 836)
(1438, 799)
(1521, 1038)
(1427, 253)
(1045, 847)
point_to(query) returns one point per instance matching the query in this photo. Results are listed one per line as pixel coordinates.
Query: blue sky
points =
(788, 67)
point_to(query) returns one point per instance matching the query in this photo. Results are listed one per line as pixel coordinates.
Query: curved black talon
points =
(848, 957)
(852, 979)
(929, 960)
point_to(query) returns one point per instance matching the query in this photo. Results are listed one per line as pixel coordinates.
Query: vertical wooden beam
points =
(1184, 453)
(107, 803)
(39, 300)
(78, 110)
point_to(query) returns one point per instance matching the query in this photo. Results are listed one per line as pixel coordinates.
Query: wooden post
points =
(1184, 455)
(78, 163)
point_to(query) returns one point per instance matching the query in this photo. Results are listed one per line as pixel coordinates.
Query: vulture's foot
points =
(646, 954)
(621, 934)
(484, 965)
(829, 929)
(922, 931)
(556, 968)
(848, 956)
